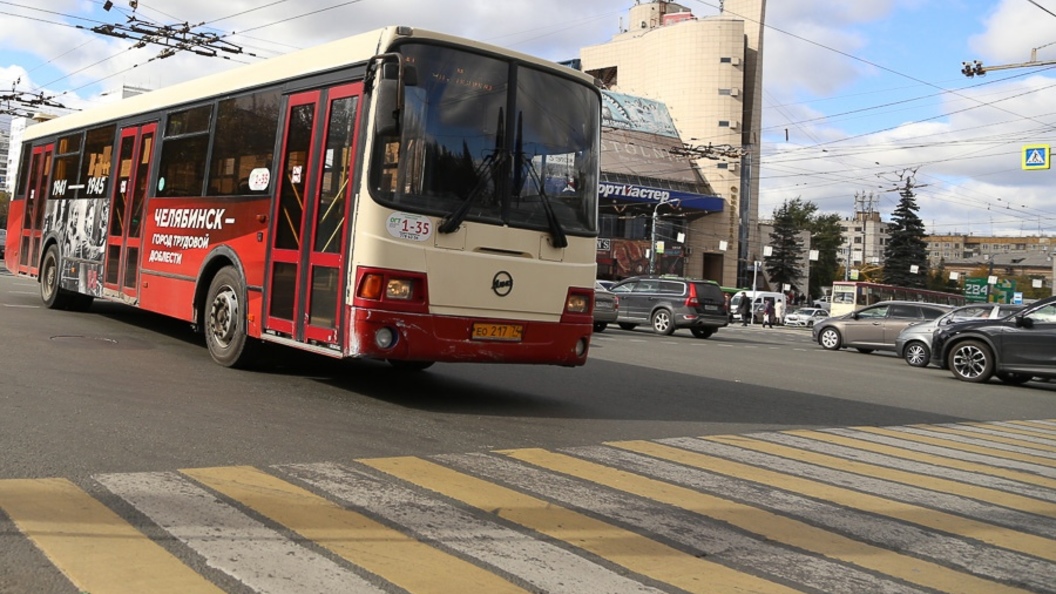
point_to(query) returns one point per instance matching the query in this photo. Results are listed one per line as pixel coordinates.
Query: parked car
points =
(759, 299)
(3, 243)
(1016, 348)
(874, 328)
(914, 343)
(805, 316)
(669, 303)
(823, 303)
(606, 307)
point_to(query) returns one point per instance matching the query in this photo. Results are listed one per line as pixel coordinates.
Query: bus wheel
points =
(50, 293)
(225, 320)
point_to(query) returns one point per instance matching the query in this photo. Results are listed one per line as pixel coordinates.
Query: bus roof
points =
(318, 59)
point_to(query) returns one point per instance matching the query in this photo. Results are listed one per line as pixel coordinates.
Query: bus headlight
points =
(399, 288)
(577, 303)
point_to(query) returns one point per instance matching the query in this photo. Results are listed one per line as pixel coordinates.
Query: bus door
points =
(126, 212)
(33, 218)
(310, 228)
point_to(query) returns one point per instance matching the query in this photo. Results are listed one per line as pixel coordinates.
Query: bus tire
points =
(53, 296)
(225, 320)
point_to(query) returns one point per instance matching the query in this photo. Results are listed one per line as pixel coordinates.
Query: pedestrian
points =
(768, 313)
(745, 309)
(779, 313)
(729, 312)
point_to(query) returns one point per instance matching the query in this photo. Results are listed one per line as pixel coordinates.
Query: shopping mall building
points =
(678, 84)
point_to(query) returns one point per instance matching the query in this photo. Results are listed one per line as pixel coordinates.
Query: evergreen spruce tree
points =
(905, 244)
(783, 264)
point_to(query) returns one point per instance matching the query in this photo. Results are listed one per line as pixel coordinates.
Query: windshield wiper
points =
(522, 161)
(484, 172)
(487, 168)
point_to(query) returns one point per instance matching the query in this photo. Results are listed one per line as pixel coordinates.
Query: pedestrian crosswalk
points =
(965, 508)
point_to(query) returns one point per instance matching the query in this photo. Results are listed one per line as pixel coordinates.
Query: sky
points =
(858, 97)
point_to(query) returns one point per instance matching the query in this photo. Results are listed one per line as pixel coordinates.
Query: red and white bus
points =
(400, 195)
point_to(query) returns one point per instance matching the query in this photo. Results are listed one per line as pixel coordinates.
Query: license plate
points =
(506, 332)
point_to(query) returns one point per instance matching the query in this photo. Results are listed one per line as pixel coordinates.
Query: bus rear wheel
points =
(53, 296)
(225, 320)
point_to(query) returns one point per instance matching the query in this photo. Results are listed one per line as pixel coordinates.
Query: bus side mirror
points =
(389, 91)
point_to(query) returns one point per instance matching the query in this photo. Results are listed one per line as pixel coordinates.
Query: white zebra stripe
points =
(924, 468)
(230, 540)
(990, 562)
(998, 462)
(536, 562)
(699, 534)
(1017, 520)
(993, 445)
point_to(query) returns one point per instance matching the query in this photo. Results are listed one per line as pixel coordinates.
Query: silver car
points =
(874, 328)
(914, 343)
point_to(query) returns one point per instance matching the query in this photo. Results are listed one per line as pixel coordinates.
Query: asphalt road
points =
(114, 400)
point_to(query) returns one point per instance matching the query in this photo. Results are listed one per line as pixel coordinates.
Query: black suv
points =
(668, 303)
(1015, 348)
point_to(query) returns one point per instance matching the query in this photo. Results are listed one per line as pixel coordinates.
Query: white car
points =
(805, 316)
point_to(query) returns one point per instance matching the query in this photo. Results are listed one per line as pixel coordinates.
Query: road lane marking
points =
(988, 459)
(994, 436)
(265, 558)
(699, 535)
(612, 543)
(767, 524)
(940, 485)
(91, 545)
(967, 555)
(917, 461)
(1041, 438)
(547, 567)
(363, 541)
(961, 442)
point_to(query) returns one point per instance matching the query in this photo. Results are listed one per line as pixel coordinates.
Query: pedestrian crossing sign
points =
(1036, 156)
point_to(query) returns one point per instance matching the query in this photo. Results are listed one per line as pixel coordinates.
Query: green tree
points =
(826, 236)
(905, 244)
(782, 266)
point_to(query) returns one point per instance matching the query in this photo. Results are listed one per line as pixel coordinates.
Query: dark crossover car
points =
(873, 328)
(3, 243)
(669, 303)
(606, 307)
(1016, 348)
(914, 343)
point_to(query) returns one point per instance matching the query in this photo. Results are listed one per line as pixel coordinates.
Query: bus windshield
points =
(493, 141)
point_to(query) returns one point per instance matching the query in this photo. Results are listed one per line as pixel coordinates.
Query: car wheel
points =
(1013, 379)
(600, 326)
(830, 339)
(917, 354)
(662, 323)
(702, 332)
(628, 325)
(971, 361)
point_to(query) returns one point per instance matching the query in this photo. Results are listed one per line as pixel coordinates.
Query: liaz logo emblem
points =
(502, 283)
